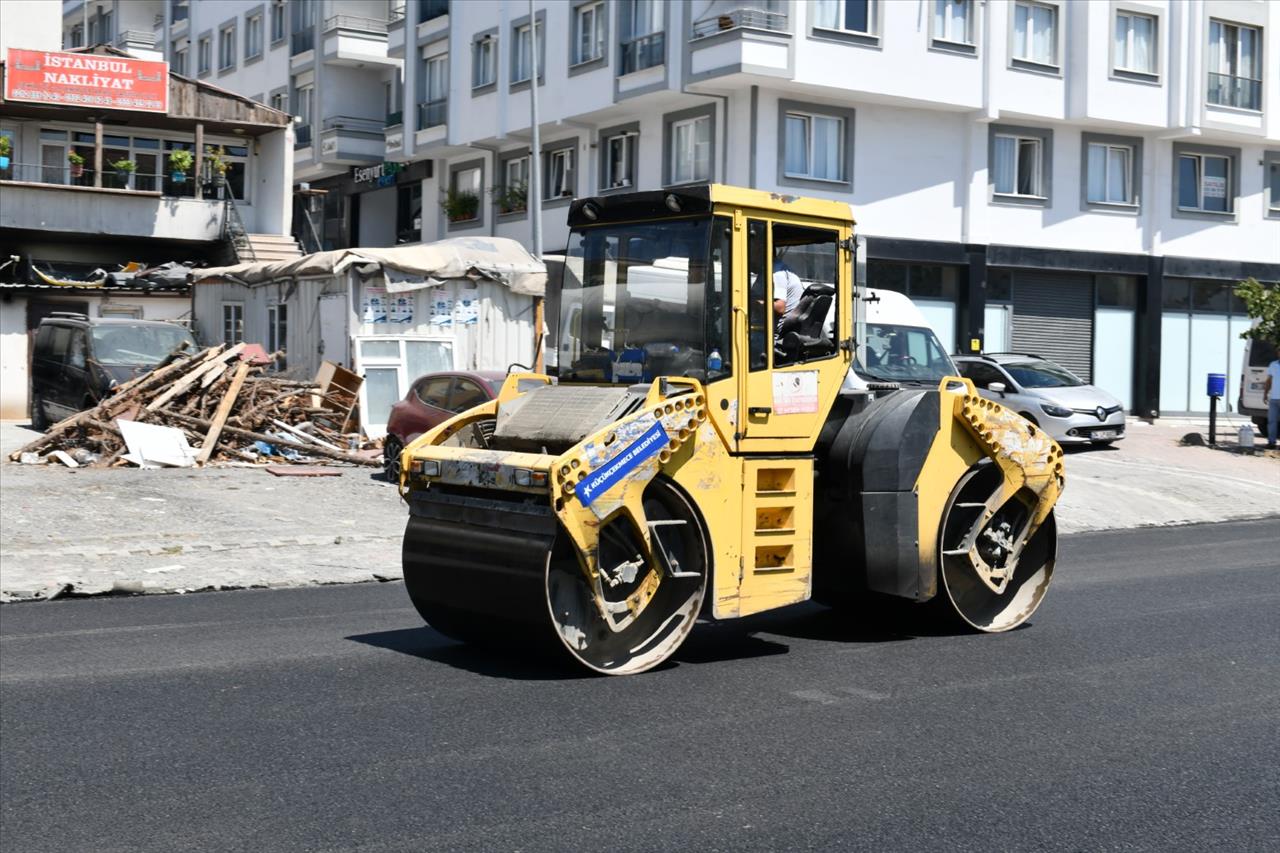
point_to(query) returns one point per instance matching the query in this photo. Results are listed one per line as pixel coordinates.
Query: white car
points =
(1048, 395)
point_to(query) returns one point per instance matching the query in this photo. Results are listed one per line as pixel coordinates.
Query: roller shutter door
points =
(1053, 318)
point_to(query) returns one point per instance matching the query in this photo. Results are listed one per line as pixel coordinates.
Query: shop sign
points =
(86, 80)
(395, 141)
(383, 174)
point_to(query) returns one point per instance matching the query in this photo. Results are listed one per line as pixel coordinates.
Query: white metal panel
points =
(1175, 357)
(941, 315)
(996, 323)
(1113, 353)
(1209, 335)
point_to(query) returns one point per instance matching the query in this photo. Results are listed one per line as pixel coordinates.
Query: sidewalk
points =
(90, 531)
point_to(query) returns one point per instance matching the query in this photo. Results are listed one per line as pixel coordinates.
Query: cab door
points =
(790, 380)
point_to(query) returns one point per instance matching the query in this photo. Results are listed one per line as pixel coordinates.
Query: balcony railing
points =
(302, 136)
(395, 14)
(136, 38)
(394, 118)
(363, 125)
(356, 23)
(755, 19)
(71, 176)
(428, 9)
(644, 52)
(180, 10)
(1226, 90)
(301, 42)
(433, 113)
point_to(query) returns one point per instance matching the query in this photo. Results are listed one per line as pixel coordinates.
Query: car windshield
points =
(1042, 374)
(895, 353)
(1261, 353)
(122, 343)
(641, 300)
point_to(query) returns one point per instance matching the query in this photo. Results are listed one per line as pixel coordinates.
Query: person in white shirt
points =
(1271, 399)
(787, 290)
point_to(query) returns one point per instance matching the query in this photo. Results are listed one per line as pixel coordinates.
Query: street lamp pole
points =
(534, 193)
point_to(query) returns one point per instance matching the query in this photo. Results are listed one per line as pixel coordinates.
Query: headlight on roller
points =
(428, 467)
(1055, 411)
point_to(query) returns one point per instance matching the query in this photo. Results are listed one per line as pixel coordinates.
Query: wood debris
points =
(230, 408)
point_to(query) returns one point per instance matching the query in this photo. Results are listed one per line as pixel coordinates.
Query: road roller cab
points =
(694, 449)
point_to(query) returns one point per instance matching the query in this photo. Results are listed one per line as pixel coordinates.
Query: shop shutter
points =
(1053, 318)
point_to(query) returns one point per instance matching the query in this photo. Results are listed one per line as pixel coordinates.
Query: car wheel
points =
(391, 448)
(39, 421)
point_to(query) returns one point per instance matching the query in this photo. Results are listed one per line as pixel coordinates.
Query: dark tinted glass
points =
(466, 395)
(1261, 353)
(1117, 291)
(999, 286)
(887, 276)
(434, 392)
(1176, 294)
(1211, 296)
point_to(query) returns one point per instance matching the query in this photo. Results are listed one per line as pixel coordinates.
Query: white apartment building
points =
(1084, 179)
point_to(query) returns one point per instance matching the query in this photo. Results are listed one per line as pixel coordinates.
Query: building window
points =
(560, 180)
(1135, 43)
(855, 16)
(431, 9)
(226, 47)
(484, 62)
(466, 182)
(1018, 166)
(279, 101)
(1272, 160)
(953, 22)
(588, 33)
(77, 36)
(204, 54)
(522, 53)
(1035, 34)
(1235, 66)
(434, 111)
(814, 147)
(179, 60)
(1204, 183)
(277, 332)
(277, 21)
(253, 36)
(620, 160)
(513, 194)
(232, 323)
(409, 213)
(690, 141)
(1110, 174)
(644, 42)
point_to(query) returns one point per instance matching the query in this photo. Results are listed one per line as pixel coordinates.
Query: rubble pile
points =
(217, 405)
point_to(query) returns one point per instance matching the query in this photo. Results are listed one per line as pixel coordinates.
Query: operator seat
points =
(802, 334)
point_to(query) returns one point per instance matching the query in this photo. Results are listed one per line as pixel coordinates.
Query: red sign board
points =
(86, 80)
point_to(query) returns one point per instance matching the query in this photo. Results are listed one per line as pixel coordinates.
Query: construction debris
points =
(218, 405)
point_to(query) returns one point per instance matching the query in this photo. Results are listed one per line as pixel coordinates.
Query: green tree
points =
(1263, 304)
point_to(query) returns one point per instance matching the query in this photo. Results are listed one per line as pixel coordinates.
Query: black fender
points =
(866, 519)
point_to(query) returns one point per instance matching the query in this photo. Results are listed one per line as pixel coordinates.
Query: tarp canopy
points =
(496, 259)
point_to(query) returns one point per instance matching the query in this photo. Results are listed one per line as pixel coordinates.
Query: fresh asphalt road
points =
(1139, 710)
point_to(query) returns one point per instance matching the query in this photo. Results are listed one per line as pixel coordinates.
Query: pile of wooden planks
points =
(225, 403)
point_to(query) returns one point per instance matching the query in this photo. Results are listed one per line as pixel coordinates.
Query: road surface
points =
(1139, 710)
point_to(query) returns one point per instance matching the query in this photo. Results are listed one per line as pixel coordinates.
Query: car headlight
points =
(1055, 411)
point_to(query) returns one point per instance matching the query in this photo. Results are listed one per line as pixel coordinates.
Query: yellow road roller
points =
(722, 431)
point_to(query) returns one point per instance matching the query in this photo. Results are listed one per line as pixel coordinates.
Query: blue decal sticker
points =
(605, 478)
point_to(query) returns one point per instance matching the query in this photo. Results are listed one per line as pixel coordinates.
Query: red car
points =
(432, 400)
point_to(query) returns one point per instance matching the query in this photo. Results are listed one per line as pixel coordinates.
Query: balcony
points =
(301, 42)
(644, 52)
(136, 40)
(395, 32)
(429, 10)
(733, 19)
(349, 140)
(57, 200)
(301, 136)
(1227, 90)
(733, 37)
(433, 114)
(356, 41)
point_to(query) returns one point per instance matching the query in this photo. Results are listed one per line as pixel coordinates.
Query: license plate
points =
(1256, 386)
(1106, 433)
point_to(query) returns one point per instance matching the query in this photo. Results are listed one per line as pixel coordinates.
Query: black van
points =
(77, 361)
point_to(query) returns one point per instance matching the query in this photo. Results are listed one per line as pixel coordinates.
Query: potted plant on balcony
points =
(5, 148)
(180, 162)
(216, 159)
(124, 171)
(512, 199)
(460, 205)
(77, 164)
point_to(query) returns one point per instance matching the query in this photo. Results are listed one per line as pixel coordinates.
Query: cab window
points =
(806, 263)
(76, 354)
